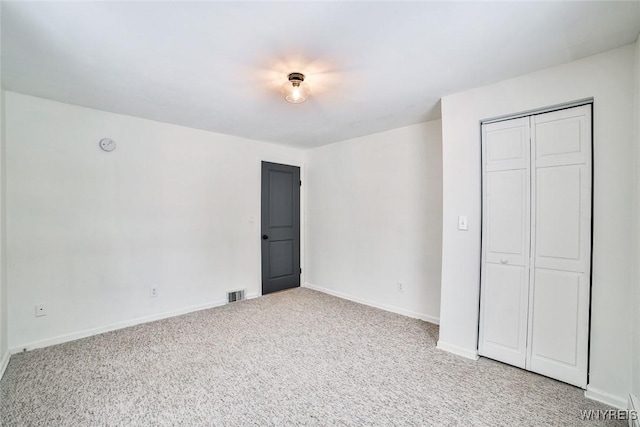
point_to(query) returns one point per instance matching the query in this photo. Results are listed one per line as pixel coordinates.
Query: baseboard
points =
(118, 325)
(385, 307)
(592, 393)
(4, 362)
(469, 354)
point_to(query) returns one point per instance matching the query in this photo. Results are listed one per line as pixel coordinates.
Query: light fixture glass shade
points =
(295, 90)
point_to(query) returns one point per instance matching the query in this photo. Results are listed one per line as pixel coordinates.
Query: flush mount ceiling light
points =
(295, 90)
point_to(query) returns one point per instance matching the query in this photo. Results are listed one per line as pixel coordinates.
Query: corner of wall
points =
(399, 269)
(636, 256)
(4, 347)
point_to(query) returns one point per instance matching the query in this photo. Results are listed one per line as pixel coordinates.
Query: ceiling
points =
(371, 66)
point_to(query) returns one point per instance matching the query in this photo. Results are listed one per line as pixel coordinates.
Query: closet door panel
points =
(504, 313)
(505, 245)
(562, 137)
(562, 212)
(558, 335)
(506, 145)
(559, 325)
(507, 204)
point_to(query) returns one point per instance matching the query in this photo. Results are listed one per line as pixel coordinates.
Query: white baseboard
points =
(592, 393)
(118, 325)
(4, 362)
(393, 309)
(460, 351)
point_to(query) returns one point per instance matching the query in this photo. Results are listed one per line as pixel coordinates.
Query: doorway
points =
(280, 227)
(536, 242)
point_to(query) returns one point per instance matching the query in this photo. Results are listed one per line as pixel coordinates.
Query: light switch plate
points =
(462, 223)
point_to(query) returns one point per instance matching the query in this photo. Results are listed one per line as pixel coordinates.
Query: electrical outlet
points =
(41, 310)
(154, 292)
(400, 288)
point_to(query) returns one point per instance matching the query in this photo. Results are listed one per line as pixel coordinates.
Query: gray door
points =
(280, 227)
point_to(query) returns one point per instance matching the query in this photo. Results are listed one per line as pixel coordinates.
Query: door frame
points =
(257, 227)
(542, 110)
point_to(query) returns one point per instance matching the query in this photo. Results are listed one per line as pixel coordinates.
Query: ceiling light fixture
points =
(295, 90)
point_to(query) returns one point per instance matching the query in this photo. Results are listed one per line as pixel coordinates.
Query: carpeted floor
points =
(297, 357)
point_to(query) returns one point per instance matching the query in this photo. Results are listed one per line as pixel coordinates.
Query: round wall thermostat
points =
(107, 144)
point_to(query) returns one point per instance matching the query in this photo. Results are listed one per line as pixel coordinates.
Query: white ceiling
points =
(371, 66)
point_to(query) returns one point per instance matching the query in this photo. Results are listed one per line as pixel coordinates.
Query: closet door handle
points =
(504, 260)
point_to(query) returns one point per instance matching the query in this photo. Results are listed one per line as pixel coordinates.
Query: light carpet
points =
(298, 357)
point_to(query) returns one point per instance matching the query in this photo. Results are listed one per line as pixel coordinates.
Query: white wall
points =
(374, 219)
(89, 232)
(636, 262)
(608, 77)
(4, 349)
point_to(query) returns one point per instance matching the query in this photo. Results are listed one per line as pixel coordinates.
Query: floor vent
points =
(235, 296)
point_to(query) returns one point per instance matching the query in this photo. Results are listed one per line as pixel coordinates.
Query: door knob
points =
(265, 237)
(503, 260)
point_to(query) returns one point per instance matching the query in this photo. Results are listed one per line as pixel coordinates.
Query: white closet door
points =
(561, 245)
(505, 248)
